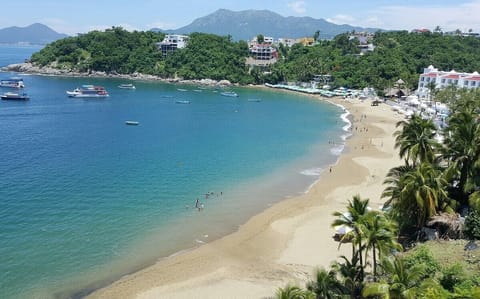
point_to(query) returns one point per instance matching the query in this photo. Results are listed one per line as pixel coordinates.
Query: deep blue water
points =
(85, 198)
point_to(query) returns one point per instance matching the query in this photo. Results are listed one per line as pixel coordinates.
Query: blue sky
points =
(71, 17)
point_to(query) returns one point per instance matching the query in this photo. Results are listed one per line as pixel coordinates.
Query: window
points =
(465, 83)
(421, 84)
(449, 81)
(456, 82)
(474, 83)
(422, 79)
(443, 80)
(428, 79)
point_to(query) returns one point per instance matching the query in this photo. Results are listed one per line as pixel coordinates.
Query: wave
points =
(312, 171)
(337, 150)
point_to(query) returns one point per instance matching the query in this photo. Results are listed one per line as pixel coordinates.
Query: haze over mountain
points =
(244, 25)
(34, 34)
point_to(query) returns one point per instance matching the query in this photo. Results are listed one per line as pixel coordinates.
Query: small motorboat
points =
(182, 102)
(15, 96)
(132, 123)
(254, 100)
(229, 94)
(88, 91)
(127, 86)
(14, 82)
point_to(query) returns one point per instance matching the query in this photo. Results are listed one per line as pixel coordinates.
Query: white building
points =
(443, 79)
(172, 42)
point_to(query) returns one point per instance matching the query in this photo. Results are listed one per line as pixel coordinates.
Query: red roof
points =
(451, 77)
(474, 78)
(430, 75)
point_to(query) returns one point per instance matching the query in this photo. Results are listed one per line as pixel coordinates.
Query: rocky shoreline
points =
(30, 68)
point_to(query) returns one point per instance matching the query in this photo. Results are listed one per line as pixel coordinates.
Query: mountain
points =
(34, 34)
(244, 25)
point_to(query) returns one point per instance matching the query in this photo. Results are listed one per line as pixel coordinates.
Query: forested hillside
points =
(397, 55)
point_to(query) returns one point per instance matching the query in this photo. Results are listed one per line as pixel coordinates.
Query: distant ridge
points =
(34, 34)
(244, 25)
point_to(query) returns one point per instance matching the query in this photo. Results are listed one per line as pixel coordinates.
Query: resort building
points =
(286, 41)
(262, 54)
(442, 79)
(172, 42)
(364, 41)
(306, 41)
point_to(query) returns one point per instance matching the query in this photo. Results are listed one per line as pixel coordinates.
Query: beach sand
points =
(285, 243)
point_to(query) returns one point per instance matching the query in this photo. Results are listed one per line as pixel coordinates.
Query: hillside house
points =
(171, 43)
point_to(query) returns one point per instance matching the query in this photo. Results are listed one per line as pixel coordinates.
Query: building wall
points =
(443, 79)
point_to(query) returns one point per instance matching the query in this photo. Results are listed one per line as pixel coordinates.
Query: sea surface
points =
(85, 199)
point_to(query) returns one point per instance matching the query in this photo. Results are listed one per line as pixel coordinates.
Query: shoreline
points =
(278, 245)
(29, 68)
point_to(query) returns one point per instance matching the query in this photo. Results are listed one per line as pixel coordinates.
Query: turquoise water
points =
(85, 199)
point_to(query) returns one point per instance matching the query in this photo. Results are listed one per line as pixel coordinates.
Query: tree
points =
(416, 140)
(260, 38)
(462, 147)
(416, 195)
(380, 235)
(357, 210)
(316, 35)
(350, 271)
(294, 292)
(400, 283)
(326, 284)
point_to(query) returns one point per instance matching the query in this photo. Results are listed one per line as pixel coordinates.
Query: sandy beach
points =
(285, 243)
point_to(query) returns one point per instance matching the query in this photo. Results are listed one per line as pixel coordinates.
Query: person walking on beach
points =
(196, 204)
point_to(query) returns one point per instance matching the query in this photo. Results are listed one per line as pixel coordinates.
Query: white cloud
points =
(448, 17)
(299, 7)
(161, 25)
(341, 19)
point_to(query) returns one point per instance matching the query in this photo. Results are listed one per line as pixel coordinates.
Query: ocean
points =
(85, 199)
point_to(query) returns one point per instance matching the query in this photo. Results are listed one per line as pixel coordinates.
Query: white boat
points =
(88, 91)
(229, 94)
(254, 100)
(182, 102)
(127, 86)
(132, 123)
(182, 89)
(14, 82)
(15, 96)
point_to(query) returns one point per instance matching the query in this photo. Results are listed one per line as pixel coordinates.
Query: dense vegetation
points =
(209, 56)
(114, 50)
(437, 182)
(397, 55)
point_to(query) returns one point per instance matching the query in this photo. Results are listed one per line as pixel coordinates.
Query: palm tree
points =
(380, 235)
(294, 292)
(462, 148)
(357, 209)
(416, 140)
(416, 194)
(401, 283)
(326, 284)
(349, 272)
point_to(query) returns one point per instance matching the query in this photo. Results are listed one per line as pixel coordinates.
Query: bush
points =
(472, 225)
(452, 277)
(422, 255)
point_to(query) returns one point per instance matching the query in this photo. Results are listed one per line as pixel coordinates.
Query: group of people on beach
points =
(200, 205)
